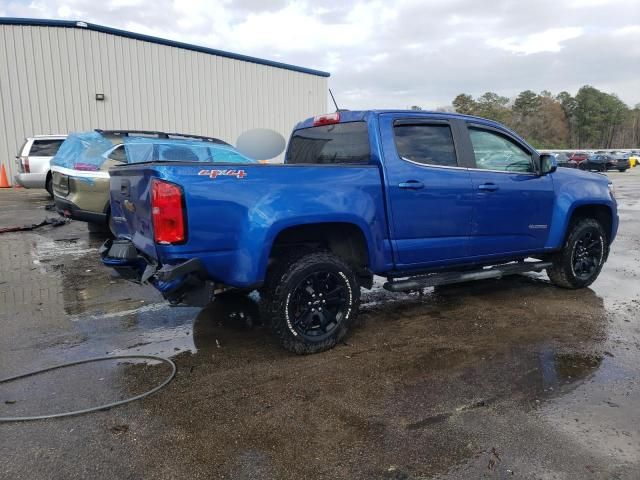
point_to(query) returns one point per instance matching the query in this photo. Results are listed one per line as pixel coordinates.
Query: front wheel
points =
(579, 262)
(310, 301)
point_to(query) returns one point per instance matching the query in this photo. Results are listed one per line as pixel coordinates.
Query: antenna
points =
(334, 100)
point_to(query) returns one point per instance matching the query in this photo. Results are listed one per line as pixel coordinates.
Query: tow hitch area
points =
(434, 279)
(182, 283)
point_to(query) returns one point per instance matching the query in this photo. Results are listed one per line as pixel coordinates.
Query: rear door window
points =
(118, 154)
(45, 148)
(341, 143)
(426, 144)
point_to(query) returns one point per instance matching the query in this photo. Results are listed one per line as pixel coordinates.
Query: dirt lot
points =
(499, 379)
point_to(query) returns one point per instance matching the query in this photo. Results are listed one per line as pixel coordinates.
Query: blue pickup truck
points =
(421, 198)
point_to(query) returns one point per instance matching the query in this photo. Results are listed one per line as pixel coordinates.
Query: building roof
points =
(39, 22)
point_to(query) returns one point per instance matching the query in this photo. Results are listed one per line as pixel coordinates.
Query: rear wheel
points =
(310, 301)
(579, 262)
(96, 227)
(49, 185)
(106, 228)
(622, 170)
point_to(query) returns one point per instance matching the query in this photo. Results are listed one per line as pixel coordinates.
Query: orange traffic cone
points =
(4, 182)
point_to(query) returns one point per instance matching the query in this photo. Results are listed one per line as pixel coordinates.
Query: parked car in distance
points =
(564, 160)
(620, 161)
(81, 170)
(420, 198)
(634, 158)
(597, 161)
(578, 156)
(602, 162)
(34, 158)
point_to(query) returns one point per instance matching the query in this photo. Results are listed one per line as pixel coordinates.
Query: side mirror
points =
(548, 164)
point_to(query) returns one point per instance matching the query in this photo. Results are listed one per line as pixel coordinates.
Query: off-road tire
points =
(562, 272)
(287, 275)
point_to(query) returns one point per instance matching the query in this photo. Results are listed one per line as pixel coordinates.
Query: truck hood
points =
(569, 174)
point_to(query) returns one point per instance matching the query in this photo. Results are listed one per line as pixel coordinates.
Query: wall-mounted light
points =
(100, 97)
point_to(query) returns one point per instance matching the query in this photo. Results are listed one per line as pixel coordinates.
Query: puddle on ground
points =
(46, 249)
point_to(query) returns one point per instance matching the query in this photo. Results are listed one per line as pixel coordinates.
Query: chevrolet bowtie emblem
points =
(128, 204)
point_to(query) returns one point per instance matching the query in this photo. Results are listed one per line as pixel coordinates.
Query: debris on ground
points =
(54, 222)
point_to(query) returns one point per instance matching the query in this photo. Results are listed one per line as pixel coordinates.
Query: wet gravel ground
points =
(497, 379)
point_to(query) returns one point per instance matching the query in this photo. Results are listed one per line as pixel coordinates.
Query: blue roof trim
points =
(40, 22)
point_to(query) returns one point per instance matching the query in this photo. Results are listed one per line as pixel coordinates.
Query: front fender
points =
(573, 194)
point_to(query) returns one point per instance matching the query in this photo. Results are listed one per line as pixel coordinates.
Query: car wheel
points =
(579, 262)
(622, 170)
(97, 228)
(49, 185)
(310, 300)
(111, 228)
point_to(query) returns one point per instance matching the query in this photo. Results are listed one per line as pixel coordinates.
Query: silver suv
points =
(33, 161)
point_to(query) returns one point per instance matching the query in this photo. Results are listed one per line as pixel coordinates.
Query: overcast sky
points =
(399, 53)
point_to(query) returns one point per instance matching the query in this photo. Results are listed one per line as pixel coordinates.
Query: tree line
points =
(591, 119)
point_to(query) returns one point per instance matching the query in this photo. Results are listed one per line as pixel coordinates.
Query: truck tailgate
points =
(131, 206)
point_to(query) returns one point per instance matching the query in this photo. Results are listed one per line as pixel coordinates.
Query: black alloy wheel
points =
(587, 254)
(579, 262)
(318, 304)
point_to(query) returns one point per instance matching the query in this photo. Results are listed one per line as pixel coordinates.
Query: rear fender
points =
(376, 260)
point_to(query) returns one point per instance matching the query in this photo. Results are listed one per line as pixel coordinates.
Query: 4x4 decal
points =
(223, 173)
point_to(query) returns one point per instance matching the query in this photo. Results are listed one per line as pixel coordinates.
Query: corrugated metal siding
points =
(49, 77)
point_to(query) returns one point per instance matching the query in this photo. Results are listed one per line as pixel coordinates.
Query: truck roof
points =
(360, 115)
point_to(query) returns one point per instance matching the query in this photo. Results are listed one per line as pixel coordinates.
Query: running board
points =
(416, 283)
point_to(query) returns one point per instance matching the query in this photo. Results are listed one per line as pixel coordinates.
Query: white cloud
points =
(549, 40)
(396, 54)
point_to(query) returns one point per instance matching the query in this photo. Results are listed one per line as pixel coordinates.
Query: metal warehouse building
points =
(59, 76)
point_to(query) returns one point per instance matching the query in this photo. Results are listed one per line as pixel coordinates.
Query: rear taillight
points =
(25, 164)
(85, 167)
(167, 211)
(327, 119)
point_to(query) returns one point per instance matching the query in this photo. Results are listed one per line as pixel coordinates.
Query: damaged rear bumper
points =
(182, 283)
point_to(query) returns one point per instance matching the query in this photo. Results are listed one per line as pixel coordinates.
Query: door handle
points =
(488, 187)
(411, 185)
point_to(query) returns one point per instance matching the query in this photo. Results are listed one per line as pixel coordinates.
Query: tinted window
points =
(45, 148)
(330, 144)
(427, 144)
(118, 154)
(496, 152)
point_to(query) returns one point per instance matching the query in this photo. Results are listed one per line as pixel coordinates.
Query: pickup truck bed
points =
(406, 195)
